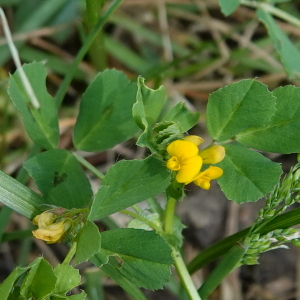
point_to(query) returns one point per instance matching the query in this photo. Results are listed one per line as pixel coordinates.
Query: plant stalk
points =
(97, 50)
(85, 47)
(273, 10)
(185, 276)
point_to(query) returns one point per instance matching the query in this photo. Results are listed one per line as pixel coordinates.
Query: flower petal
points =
(213, 154)
(182, 149)
(203, 178)
(189, 169)
(195, 139)
(173, 164)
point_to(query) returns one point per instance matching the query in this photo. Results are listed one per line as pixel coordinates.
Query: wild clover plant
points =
(241, 117)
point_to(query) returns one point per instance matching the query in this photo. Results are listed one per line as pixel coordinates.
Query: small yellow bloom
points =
(213, 155)
(203, 178)
(184, 159)
(49, 230)
(44, 219)
(195, 139)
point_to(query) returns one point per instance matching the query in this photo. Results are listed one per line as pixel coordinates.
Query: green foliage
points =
(123, 185)
(248, 175)
(40, 280)
(60, 178)
(7, 285)
(87, 247)
(140, 254)
(287, 51)
(146, 111)
(105, 117)
(113, 109)
(67, 278)
(281, 133)
(228, 6)
(182, 115)
(238, 106)
(18, 197)
(227, 264)
(41, 124)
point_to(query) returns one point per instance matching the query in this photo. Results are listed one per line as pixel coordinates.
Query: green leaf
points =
(289, 54)
(121, 280)
(127, 183)
(167, 132)
(248, 175)
(67, 278)
(7, 285)
(40, 280)
(281, 134)
(19, 197)
(227, 265)
(105, 117)
(238, 106)
(279, 1)
(87, 246)
(229, 6)
(145, 256)
(60, 178)
(146, 111)
(180, 113)
(81, 296)
(41, 124)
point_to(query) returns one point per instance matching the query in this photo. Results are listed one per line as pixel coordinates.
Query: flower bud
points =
(213, 155)
(49, 231)
(196, 140)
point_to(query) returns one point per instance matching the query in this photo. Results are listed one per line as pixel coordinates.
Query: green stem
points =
(142, 219)
(89, 166)
(85, 47)
(274, 11)
(70, 254)
(137, 209)
(154, 206)
(218, 249)
(169, 216)
(15, 56)
(97, 50)
(179, 263)
(185, 276)
(92, 284)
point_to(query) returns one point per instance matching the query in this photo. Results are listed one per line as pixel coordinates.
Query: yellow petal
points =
(195, 139)
(53, 233)
(173, 164)
(213, 155)
(44, 219)
(203, 178)
(189, 169)
(182, 149)
(204, 183)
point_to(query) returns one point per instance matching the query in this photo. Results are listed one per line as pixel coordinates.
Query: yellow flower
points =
(184, 159)
(203, 178)
(44, 219)
(213, 155)
(50, 231)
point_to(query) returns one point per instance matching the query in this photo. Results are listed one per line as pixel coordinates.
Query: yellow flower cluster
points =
(186, 159)
(49, 230)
